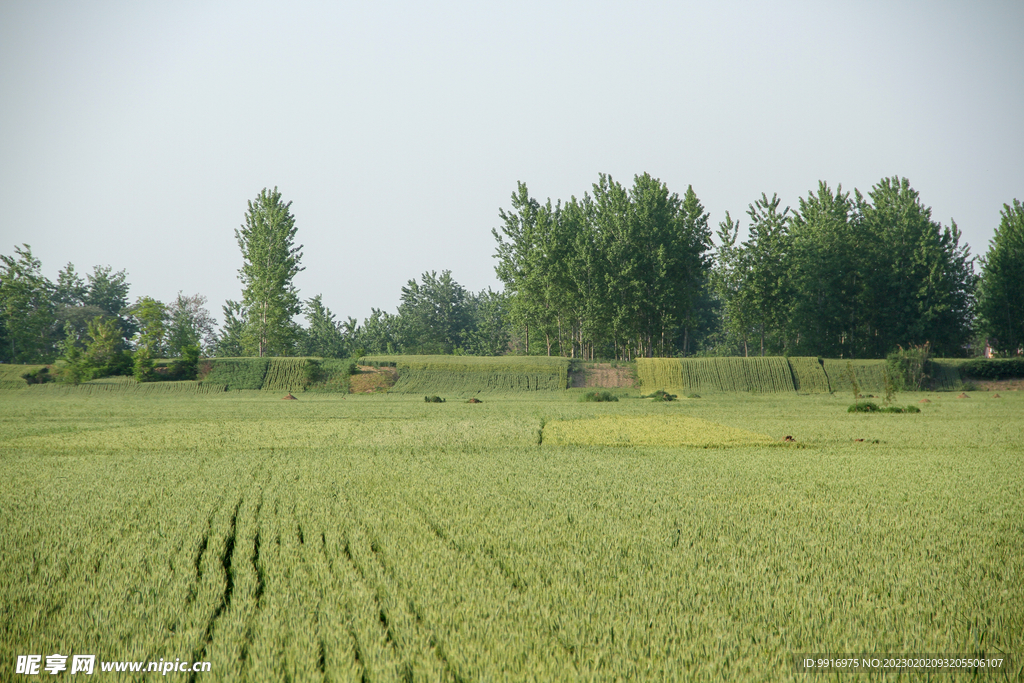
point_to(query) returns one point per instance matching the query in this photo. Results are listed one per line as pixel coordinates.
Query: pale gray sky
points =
(133, 133)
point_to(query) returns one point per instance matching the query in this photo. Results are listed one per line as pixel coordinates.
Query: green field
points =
(528, 537)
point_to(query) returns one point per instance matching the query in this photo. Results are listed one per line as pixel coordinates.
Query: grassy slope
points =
(442, 540)
(469, 375)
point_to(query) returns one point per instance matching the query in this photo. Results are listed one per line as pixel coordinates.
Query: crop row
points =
(407, 541)
(763, 375)
(475, 374)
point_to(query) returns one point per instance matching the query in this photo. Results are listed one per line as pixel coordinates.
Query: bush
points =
(598, 397)
(661, 395)
(143, 366)
(39, 376)
(188, 366)
(995, 368)
(908, 368)
(863, 407)
(433, 399)
(900, 409)
(312, 372)
(693, 396)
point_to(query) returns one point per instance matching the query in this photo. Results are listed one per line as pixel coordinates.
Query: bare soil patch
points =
(602, 375)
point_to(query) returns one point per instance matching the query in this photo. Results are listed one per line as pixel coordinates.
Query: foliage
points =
(598, 397)
(150, 320)
(661, 396)
(435, 314)
(852, 376)
(863, 407)
(26, 310)
(104, 353)
(489, 333)
(229, 340)
(190, 324)
(239, 373)
(187, 367)
(829, 273)
(922, 283)
(142, 365)
(908, 368)
(270, 262)
(433, 399)
(330, 375)
(1001, 289)
(900, 409)
(39, 375)
(619, 271)
(323, 336)
(996, 368)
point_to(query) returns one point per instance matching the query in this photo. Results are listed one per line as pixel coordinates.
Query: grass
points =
(379, 537)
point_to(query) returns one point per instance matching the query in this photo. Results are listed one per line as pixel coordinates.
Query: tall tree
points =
(26, 308)
(270, 262)
(150, 319)
(765, 265)
(71, 288)
(434, 314)
(190, 324)
(921, 280)
(323, 337)
(489, 333)
(737, 305)
(229, 340)
(828, 273)
(1001, 290)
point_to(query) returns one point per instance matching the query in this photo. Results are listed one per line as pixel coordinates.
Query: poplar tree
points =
(270, 262)
(1001, 294)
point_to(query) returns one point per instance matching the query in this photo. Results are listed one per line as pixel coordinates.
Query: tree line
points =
(620, 272)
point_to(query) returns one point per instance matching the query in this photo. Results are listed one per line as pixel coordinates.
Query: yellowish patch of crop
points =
(647, 430)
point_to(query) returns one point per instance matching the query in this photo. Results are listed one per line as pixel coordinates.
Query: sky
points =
(134, 134)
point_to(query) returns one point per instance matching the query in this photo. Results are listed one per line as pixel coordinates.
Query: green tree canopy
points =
(323, 337)
(270, 263)
(26, 308)
(1001, 290)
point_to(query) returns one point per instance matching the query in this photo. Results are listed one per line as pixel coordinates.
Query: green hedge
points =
(994, 368)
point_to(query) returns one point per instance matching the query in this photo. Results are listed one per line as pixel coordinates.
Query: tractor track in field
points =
(226, 559)
(436, 643)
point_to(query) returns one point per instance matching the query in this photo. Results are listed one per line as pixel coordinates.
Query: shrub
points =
(900, 409)
(188, 366)
(908, 368)
(661, 395)
(995, 368)
(863, 407)
(598, 397)
(143, 365)
(433, 399)
(38, 376)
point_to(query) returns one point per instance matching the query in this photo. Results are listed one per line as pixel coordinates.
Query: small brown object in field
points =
(996, 396)
(474, 400)
(963, 395)
(289, 397)
(924, 400)
(788, 438)
(858, 439)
